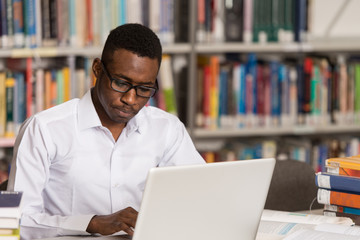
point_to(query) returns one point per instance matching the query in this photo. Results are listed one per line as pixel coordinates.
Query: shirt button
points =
(116, 185)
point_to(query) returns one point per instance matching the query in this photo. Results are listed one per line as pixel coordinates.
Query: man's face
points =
(127, 66)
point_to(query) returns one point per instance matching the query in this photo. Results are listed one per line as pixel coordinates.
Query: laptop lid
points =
(204, 202)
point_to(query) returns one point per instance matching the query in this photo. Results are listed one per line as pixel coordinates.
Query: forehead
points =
(124, 59)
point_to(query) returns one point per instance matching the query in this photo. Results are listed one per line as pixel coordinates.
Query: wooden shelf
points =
(244, 47)
(74, 51)
(344, 45)
(281, 131)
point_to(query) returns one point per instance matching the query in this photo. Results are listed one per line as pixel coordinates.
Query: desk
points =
(277, 226)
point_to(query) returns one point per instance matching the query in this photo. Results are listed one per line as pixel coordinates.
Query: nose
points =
(129, 97)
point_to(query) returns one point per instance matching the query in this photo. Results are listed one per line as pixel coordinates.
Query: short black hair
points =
(135, 38)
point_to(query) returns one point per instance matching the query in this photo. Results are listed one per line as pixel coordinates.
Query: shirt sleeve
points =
(181, 149)
(29, 173)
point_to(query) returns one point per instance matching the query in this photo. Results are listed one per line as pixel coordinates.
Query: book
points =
(29, 79)
(3, 22)
(10, 234)
(234, 21)
(19, 109)
(10, 23)
(10, 209)
(30, 23)
(346, 199)
(39, 90)
(63, 25)
(18, 24)
(336, 208)
(349, 166)
(9, 88)
(166, 82)
(248, 20)
(48, 27)
(337, 182)
(10, 204)
(2, 103)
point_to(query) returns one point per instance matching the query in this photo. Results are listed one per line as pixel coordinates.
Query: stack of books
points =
(10, 213)
(339, 187)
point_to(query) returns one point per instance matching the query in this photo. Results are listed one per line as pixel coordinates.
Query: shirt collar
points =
(87, 115)
(89, 118)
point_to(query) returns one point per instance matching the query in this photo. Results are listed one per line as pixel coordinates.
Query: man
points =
(82, 165)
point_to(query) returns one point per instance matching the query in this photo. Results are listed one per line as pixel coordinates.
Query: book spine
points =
(325, 196)
(30, 23)
(47, 97)
(18, 23)
(242, 92)
(337, 182)
(39, 92)
(10, 23)
(335, 208)
(248, 21)
(214, 91)
(206, 96)
(90, 34)
(9, 85)
(2, 103)
(167, 83)
(19, 101)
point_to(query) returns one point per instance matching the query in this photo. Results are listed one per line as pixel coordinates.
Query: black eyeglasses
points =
(124, 86)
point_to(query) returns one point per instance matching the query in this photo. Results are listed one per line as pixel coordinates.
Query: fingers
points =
(128, 216)
(123, 220)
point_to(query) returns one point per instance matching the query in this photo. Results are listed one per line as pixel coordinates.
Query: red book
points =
(29, 88)
(90, 34)
(260, 82)
(308, 68)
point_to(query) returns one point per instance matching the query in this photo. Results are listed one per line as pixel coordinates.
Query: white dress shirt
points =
(70, 168)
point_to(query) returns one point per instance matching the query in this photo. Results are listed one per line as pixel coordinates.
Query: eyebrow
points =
(123, 77)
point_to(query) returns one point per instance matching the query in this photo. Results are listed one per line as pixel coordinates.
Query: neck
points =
(114, 127)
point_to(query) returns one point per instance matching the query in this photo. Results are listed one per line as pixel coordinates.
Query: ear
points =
(96, 67)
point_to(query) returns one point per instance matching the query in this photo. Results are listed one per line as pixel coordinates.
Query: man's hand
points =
(108, 224)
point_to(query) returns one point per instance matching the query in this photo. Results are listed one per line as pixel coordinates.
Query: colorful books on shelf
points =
(338, 189)
(50, 23)
(10, 214)
(252, 92)
(26, 88)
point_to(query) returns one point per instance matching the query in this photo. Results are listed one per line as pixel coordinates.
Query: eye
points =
(120, 84)
(144, 89)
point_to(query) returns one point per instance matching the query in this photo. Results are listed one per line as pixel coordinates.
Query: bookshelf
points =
(192, 49)
(336, 41)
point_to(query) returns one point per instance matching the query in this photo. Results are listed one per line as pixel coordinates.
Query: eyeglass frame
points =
(131, 86)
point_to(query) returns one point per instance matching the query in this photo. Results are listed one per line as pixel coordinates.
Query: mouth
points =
(123, 113)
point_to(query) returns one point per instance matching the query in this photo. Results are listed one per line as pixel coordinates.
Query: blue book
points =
(18, 23)
(223, 95)
(337, 182)
(242, 104)
(251, 70)
(10, 207)
(122, 12)
(30, 23)
(275, 93)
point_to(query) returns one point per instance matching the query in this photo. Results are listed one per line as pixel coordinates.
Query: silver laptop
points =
(217, 201)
